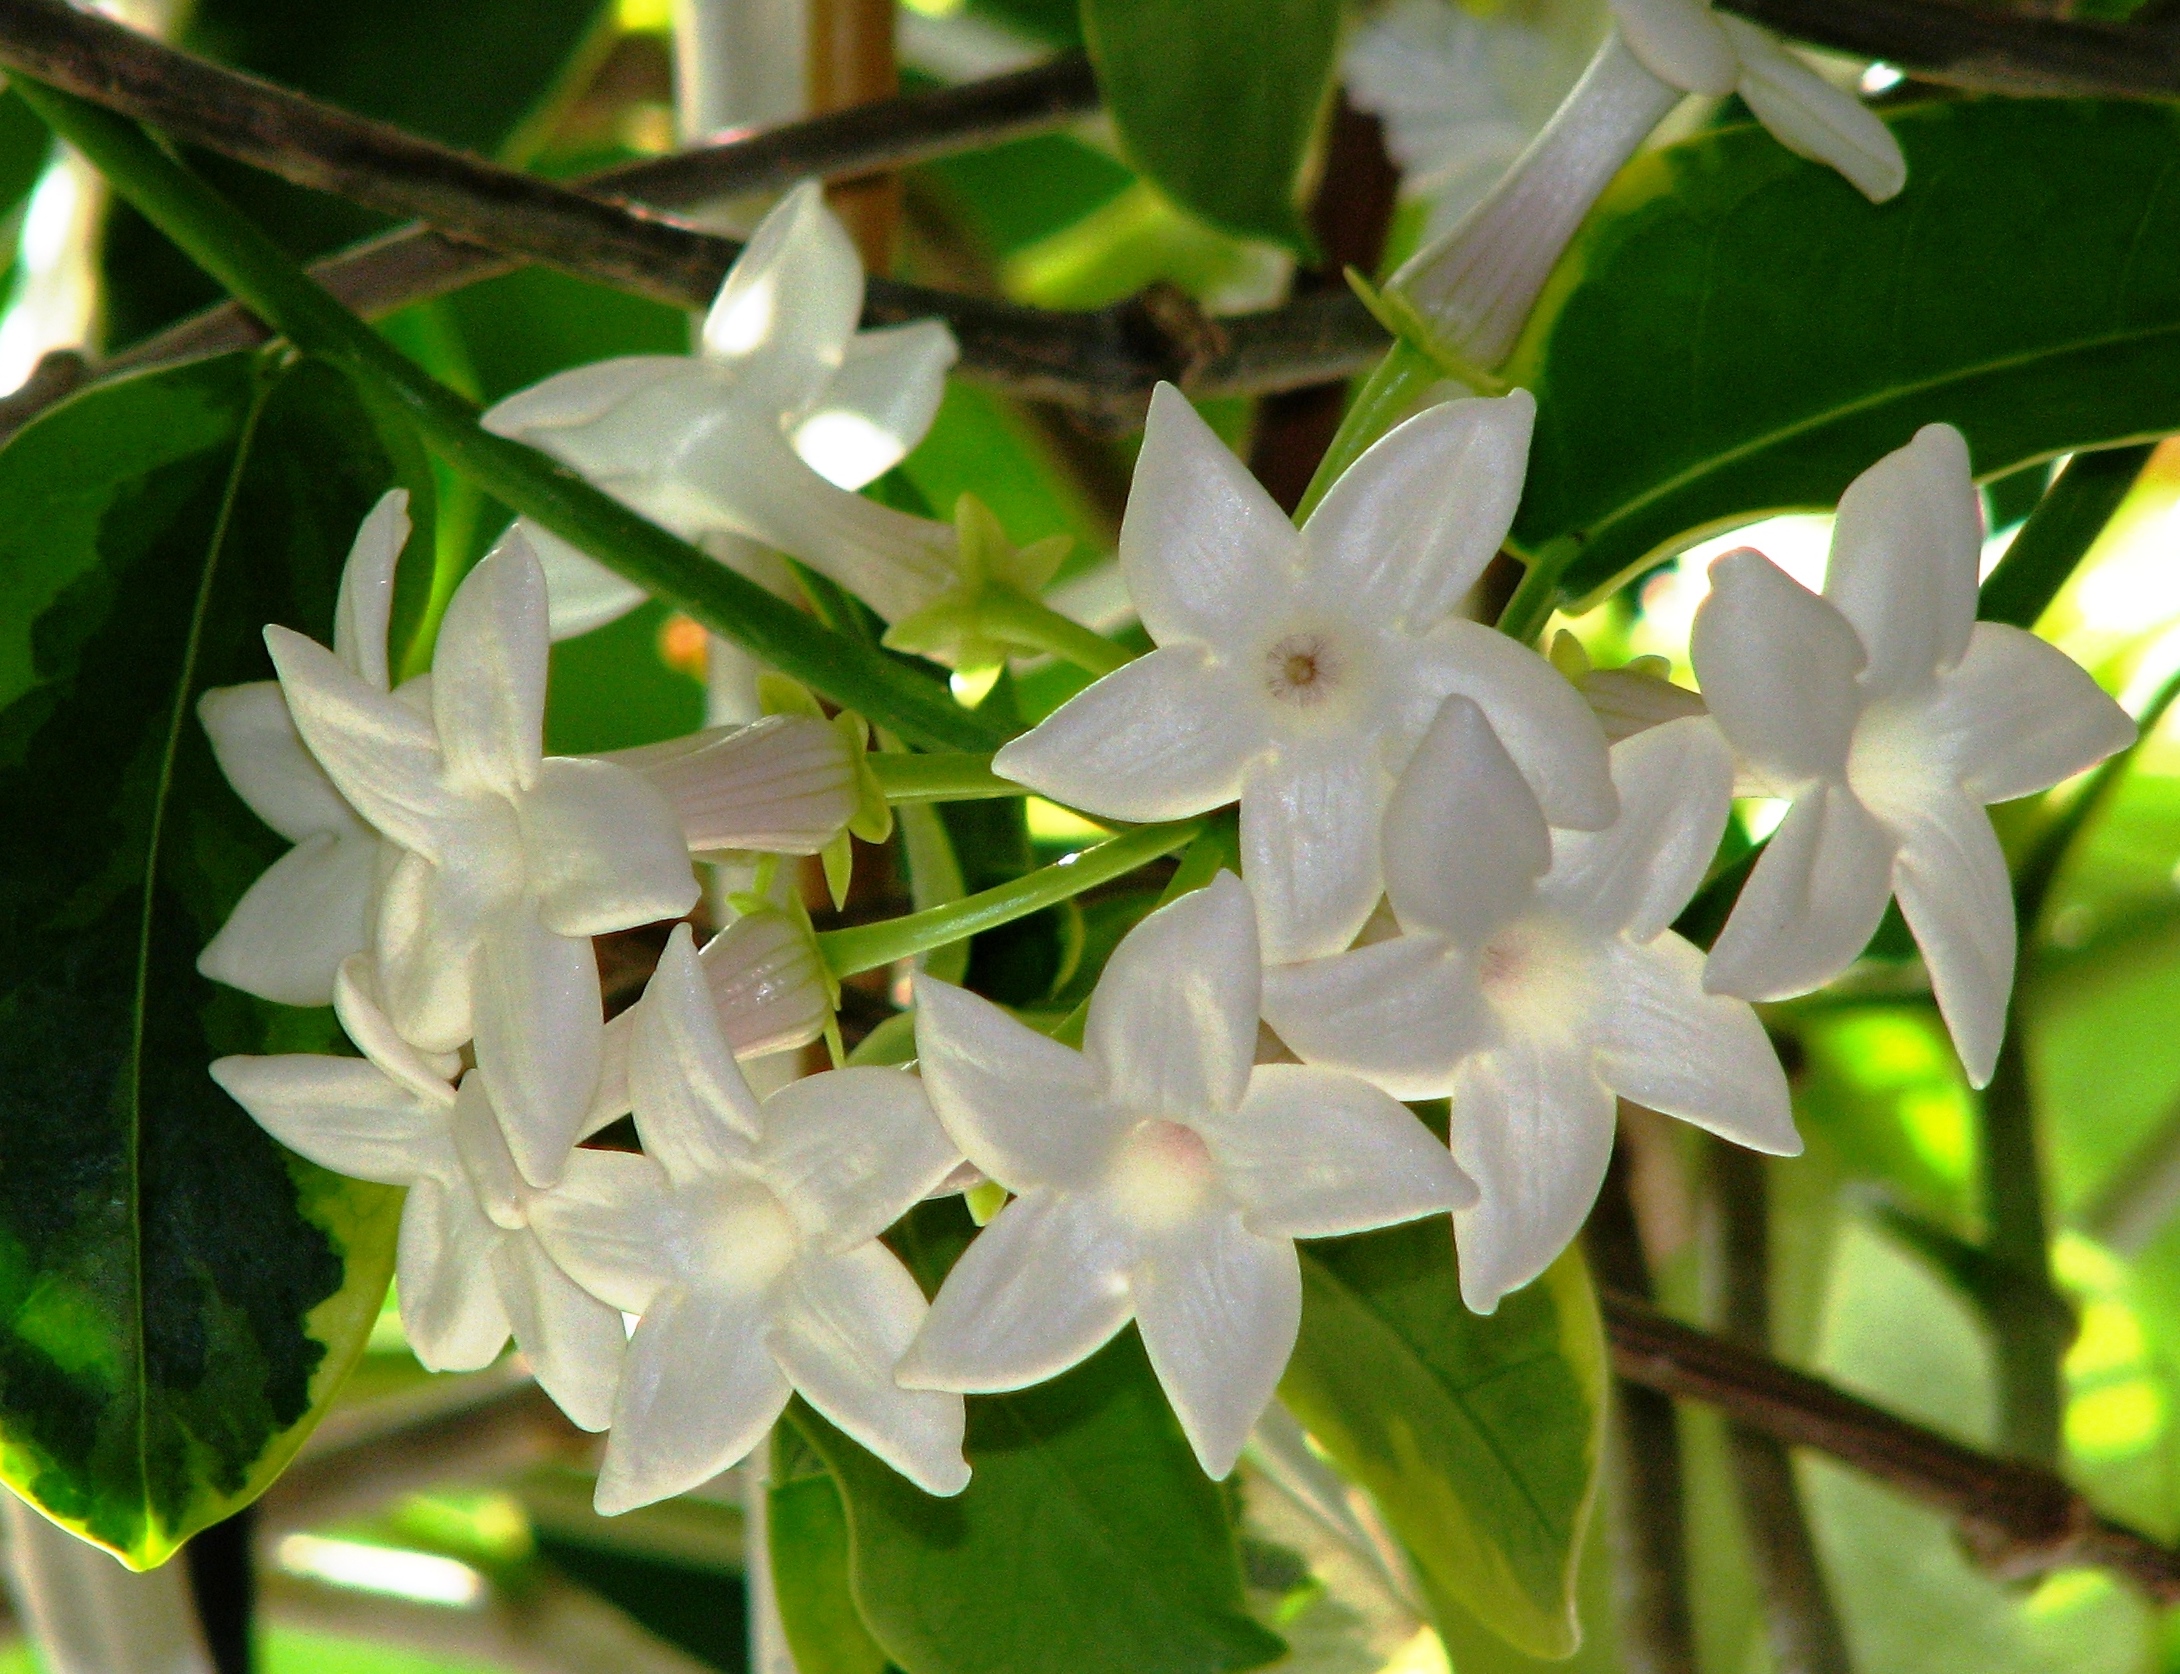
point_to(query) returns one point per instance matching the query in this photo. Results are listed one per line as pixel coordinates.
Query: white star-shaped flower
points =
(513, 860)
(1296, 669)
(1887, 715)
(746, 1239)
(759, 440)
(312, 908)
(1535, 977)
(1158, 1176)
(470, 1271)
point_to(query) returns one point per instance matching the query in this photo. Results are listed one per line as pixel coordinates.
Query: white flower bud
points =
(783, 785)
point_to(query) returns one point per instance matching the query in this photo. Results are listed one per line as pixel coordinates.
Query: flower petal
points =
(1313, 1153)
(1679, 41)
(1311, 815)
(1408, 528)
(1811, 117)
(789, 305)
(573, 1341)
(1954, 890)
(843, 1325)
(371, 1031)
(1162, 738)
(1812, 904)
(578, 398)
(1702, 1057)
(308, 911)
(430, 952)
(698, 1391)
(696, 1114)
(1905, 552)
(2020, 715)
(853, 1150)
(341, 1113)
(1026, 1110)
(1676, 790)
(580, 593)
(488, 672)
(1173, 1020)
(1208, 556)
(604, 851)
(1777, 664)
(1400, 1013)
(609, 1224)
(1219, 1310)
(538, 1017)
(785, 784)
(450, 1307)
(366, 603)
(1532, 1125)
(1464, 840)
(880, 403)
(381, 755)
(263, 756)
(1041, 1288)
(1542, 720)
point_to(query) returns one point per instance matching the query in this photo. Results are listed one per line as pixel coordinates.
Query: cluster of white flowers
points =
(1452, 886)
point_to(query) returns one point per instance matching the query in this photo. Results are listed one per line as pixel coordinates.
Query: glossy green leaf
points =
(1088, 1537)
(807, 1527)
(180, 1296)
(1479, 1436)
(1216, 100)
(1737, 331)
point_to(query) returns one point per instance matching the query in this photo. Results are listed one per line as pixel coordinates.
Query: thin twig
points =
(1806, 1637)
(2019, 1519)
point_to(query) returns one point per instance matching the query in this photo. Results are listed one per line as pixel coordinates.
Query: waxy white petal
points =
(844, 1323)
(2020, 715)
(852, 1151)
(1532, 1125)
(1315, 1154)
(1025, 1109)
(1464, 840)
(366, 603)
(1219, 1309)
(573, 1341)
(538, 1017)
(307, 912)
(488, 673)
(879, 404)
(450, 1311)
(1702, 1057)
(1777, 664)
(1676, 788)
(1905, 551)
(1679, 41)
(785, 784)
(1041, 1288)
(381, 755)
(580, 397)
(1544, 722)
(609, 1224)
(255, 742)
(1955, 893)
(783, 317)
(696, 1114)
(430, 948)
(1406, 530)
(1811, 117)
(1812, 903)
(1311, 813)
(341, 1113)
(1206, 553)
(1400, 1013)
(603, 850)
(1166, 736)
(580, 593)
(1173, 1020)
(429, 1076)
(698, 1390)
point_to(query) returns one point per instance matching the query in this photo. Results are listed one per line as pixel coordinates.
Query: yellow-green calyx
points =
(975, 626)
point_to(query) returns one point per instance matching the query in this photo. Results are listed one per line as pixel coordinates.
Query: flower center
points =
(1896, 760)
(1538, 978)
(1303, 669)
(1163, 1175)
(737, 1235)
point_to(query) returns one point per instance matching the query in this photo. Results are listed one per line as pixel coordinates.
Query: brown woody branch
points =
(2018, 1519)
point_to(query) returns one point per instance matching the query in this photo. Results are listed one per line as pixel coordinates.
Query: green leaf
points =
(1216, 100)
(181, 1297)
(807, 1526)
(1479, 1436)
(1737, 331)
(1088, 1537)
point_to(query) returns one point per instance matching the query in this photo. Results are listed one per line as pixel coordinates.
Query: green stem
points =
(1392, 388)
(942, 777)
(2029, 1323)
(1021, 620)
(229, 247)
(1534, 599)
(2059, 534)
(867, 946)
